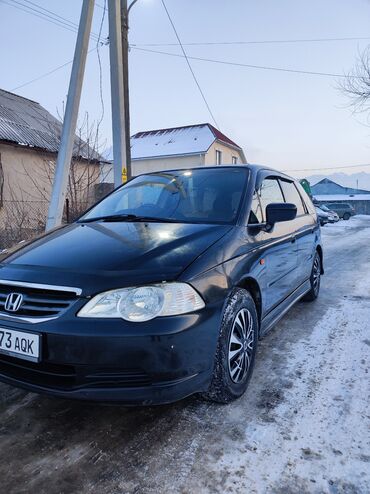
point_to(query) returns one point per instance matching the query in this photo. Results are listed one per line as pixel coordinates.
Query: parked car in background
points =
(333, 216)
(323, 216)
(342, 209)
(162, 289)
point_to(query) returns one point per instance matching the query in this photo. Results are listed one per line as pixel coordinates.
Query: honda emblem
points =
(13, 302)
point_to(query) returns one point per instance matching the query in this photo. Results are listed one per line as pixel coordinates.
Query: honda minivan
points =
(162, 289)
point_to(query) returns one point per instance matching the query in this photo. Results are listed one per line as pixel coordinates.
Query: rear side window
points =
(291, 195)
(307, 201)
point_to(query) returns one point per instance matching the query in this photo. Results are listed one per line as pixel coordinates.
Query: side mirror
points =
(280, 211)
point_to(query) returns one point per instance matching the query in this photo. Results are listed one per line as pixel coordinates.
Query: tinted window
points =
(204, 196)
(291, 195)
(270, 192)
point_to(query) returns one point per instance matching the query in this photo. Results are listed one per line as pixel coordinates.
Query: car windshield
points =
(210, 195)
(324, 208)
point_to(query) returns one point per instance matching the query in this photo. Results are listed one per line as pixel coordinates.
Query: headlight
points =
(144, 303)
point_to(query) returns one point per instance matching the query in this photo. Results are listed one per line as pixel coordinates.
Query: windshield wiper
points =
(128, 217)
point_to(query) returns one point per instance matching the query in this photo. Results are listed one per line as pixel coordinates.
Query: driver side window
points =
(268, 192)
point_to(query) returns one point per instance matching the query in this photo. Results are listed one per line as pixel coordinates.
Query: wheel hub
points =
(241, 345)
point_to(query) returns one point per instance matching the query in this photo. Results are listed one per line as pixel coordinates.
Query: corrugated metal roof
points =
(327, 186)
(27, 123)
(175, 141)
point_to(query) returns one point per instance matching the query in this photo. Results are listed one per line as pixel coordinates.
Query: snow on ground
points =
(311, 430)
(319, 438)
(302, 426)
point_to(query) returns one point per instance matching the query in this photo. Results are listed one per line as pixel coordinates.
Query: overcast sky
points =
(285, 120)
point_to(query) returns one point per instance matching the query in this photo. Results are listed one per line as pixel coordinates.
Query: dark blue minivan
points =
(162, 289)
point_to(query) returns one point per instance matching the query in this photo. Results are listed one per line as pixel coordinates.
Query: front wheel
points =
(346, 216)
(315, 279)
(236, 349)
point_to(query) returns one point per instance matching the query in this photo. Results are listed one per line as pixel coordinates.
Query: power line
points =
(239, 64)
(253, 42)
(100, 70)
(189, 65)
(194, 58)
(64, 26)
(46, 15)
(341, 167)
(47, 73)
(54, 14)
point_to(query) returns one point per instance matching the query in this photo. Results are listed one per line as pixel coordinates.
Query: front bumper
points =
(159, 361)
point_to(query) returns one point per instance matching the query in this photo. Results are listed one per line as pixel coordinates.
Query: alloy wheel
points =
(316, 273)
(241, 345)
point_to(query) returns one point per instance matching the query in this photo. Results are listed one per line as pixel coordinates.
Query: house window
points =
(218, 157)
(234, 160)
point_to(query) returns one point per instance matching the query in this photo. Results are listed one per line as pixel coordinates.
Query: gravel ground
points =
(302, 427)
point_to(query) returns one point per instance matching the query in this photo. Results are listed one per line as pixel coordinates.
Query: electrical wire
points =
(239, 64)
(253, 42)
(47, 73)
(54, 14)
(54, 18)
(341, 167)
(189, 65)
(98, 44)
(39, 16)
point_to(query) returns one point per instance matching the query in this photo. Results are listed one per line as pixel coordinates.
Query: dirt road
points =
(303, 425)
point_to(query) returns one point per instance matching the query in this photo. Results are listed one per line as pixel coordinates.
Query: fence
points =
(25, 220)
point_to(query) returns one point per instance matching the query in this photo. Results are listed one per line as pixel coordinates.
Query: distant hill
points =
(356, 180)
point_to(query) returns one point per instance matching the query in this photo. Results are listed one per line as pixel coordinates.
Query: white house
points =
(182, 147)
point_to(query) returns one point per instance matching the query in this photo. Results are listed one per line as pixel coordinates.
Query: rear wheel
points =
(315, 279)
(236, 349)
(346, 216)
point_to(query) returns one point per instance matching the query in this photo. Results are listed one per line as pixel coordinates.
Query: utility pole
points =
(117, 90)
(125, 50)
(70, 118)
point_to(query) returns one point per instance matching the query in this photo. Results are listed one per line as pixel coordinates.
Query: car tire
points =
(346, 216)
(315, 279)
(236, 348)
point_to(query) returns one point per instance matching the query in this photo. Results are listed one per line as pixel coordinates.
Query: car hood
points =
(99, 256)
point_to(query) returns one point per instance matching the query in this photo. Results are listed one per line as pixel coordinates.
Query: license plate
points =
(20, 344)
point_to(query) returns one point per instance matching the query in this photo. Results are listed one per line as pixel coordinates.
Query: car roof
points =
(253, 167)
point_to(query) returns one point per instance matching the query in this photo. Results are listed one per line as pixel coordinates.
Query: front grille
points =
(69, 377)
(37, 302)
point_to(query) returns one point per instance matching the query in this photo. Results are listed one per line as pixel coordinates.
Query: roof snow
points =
(342, 197)
(190, 140)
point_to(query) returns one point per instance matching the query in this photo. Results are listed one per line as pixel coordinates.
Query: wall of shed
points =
(28, 173)
(27, 183)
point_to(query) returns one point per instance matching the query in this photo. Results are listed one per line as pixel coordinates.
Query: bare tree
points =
(21, 220)
(28, 193)
(84, 176)
(357, 83)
